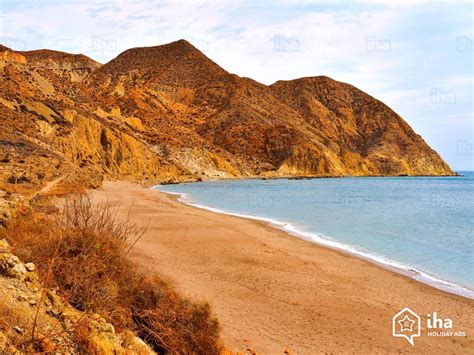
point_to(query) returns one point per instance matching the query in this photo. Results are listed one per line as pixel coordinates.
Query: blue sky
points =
(416, 56)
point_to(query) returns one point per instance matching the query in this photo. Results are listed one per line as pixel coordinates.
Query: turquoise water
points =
(422, 226)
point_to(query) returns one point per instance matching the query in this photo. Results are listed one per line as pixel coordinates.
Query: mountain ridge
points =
(169, 113)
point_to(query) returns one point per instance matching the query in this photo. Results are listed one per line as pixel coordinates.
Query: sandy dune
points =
(273, 292)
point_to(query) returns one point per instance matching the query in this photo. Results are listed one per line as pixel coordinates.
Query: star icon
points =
(406, 324)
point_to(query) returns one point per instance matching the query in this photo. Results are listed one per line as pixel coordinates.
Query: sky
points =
(416, 56)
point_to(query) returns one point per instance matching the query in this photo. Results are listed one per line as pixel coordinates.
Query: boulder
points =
(30, 267)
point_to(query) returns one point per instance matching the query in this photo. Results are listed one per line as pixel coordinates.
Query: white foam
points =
(410, 271)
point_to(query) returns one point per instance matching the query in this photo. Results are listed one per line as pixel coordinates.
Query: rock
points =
(13, 260)
(4, 247)
(18, 329)
(18, 270)
(101, 337)
(30, 267)
(11, 265)
(34, 289)
(54, 300)
(134, 344)
(53, 312)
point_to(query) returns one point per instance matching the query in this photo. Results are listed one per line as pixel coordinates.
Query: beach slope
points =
(273, 292)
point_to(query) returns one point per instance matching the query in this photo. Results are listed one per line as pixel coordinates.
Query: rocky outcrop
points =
(74, 67)
(9, 56)
(9, 203)
(60, 328)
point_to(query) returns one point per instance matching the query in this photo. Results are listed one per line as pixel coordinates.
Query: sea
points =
(422, 227)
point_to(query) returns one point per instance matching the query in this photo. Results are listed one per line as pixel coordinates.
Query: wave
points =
(326, 241)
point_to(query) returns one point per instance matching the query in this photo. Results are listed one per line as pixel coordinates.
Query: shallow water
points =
(421, 224)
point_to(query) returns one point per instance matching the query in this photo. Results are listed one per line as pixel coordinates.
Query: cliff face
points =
(364, 136)
(168, 113)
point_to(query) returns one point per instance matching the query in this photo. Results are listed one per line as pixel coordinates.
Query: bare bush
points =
(79, 212)
(85, 247)
(173, 324)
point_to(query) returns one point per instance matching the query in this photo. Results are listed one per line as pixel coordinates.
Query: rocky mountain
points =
(169, 113)
(75, 67)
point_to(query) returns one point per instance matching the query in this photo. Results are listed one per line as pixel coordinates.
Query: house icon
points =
(406, 324)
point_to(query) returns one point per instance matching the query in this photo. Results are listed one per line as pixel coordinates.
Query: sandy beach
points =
(273, 292)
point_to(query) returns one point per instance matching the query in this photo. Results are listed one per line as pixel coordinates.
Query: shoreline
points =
(300, 177)
(274, 293)
(380, 261)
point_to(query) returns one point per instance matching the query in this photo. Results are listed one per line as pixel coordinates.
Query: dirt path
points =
(49, 186)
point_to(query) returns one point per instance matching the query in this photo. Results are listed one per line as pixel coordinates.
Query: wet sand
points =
(273, 292)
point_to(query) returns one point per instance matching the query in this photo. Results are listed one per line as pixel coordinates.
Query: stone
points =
(101, 337)
(4, 246)
(13, 260)
(18, 329)
(53, 312)
(19, 269)
(134, 344)
(30, 267)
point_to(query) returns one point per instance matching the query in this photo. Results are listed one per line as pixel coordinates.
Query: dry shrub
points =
(89, 247)
(171, 323)
(91, 269)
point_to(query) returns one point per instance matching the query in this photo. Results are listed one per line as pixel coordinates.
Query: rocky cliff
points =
(168, 113)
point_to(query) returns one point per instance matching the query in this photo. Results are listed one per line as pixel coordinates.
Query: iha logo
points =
(406, 324)
(435, 322)
(445, 325)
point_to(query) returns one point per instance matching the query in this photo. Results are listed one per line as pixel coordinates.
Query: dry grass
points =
(11, 317)
(171, 323)
(86, 249)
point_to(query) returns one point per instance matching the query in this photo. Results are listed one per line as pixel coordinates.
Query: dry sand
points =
(274, 292)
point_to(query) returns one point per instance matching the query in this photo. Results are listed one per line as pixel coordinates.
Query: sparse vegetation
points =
(86, 248)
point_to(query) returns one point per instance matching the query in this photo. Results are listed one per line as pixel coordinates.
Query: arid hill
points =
(169, 113)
